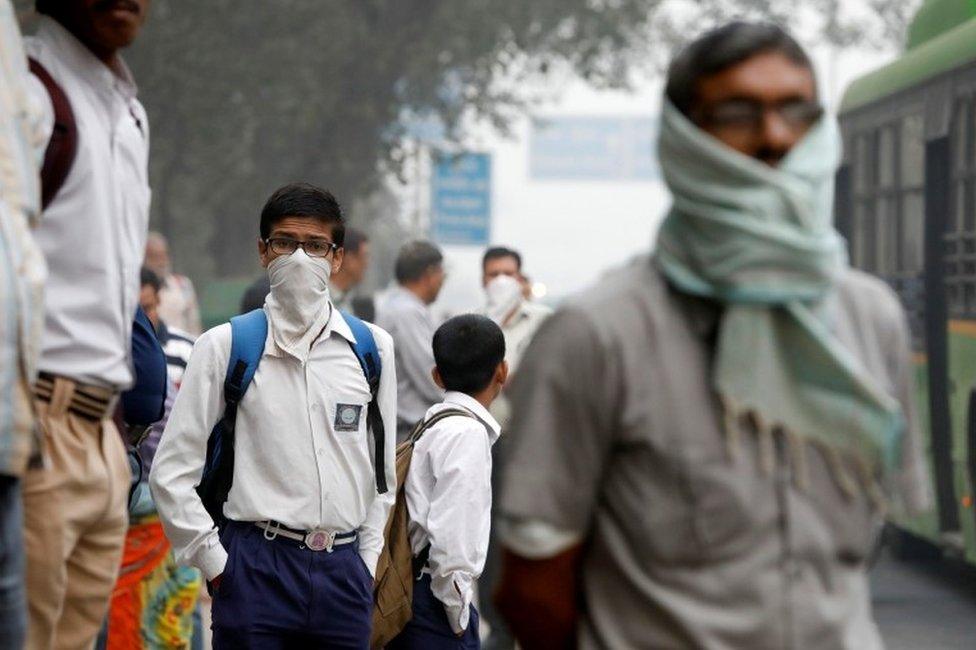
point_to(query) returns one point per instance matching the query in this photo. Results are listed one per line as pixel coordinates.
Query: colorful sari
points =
(153, 601)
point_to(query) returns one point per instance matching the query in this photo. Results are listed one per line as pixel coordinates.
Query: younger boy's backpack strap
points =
(369, 359)
(63, 145)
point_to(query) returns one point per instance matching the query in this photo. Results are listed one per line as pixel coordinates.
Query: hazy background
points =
(354, 95)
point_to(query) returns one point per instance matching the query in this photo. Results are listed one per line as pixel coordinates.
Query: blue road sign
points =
(461, 199)
(593, 149)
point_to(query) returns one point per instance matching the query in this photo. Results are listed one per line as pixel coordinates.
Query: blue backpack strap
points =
(369, 360)
(248, 333)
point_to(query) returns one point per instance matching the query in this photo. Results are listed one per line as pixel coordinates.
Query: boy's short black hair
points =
(467, 350)
(148, 277)
(304, 200)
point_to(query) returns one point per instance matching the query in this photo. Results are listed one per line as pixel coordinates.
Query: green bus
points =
(906, 201)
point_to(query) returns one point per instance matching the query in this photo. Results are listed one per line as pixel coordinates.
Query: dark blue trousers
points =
(277, 594)
(429, 629)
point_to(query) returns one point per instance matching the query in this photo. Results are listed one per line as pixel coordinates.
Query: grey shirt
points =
(617, 441)
(409, 322)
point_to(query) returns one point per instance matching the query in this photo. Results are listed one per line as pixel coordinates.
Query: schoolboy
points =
(448, 486)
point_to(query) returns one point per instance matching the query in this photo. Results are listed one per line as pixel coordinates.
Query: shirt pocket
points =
(347, 419)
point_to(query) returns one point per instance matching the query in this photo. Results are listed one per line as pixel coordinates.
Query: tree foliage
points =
(244, 95)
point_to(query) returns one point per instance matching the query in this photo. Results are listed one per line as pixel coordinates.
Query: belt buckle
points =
(320, 540)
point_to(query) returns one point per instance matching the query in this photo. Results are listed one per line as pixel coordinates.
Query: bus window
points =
(912, 152)
(913, 233)
(886, 158)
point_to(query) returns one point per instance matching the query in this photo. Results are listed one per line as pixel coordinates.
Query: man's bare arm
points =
(539, 599)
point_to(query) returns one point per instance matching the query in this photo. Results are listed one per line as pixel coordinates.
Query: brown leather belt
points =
(91, 403)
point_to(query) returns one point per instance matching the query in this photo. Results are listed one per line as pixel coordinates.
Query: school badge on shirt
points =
(347, 417)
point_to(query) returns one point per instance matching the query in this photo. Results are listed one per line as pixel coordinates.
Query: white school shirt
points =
(292, 464)
(93, 234)
(448, 490)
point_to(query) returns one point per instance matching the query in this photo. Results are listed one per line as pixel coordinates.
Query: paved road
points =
(924, 605)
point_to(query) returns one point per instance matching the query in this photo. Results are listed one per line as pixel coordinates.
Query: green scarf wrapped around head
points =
(760, 240)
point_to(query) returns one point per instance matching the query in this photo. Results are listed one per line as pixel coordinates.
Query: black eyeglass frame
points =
(331, 246)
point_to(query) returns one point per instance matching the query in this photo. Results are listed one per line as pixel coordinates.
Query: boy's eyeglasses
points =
(312, 247)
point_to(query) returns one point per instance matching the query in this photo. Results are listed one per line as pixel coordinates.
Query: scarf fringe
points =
(796, 444)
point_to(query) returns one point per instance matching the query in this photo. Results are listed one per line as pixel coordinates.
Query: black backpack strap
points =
(420, 561)
(63, 145)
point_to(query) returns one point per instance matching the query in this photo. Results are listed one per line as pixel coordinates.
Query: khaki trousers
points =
(75, 520)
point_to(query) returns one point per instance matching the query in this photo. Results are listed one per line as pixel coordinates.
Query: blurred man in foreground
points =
(405, 314)
(701, 447)
(177, 297)
(93, 235)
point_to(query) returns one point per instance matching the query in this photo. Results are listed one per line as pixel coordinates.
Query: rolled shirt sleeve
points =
(371, 532)
(179, 460)
(564, 416)
(459, 516)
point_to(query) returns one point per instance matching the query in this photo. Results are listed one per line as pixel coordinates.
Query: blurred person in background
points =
(154, 602)
(22, 140)
(355, 264)
(177, 297)
(507, 303)
(177, 344)
(255, 294)
(405, 314)
(702, 449)
(93, 235)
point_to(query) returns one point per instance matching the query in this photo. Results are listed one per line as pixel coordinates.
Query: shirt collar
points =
(335, 325)
(80, 59)
(465, 401)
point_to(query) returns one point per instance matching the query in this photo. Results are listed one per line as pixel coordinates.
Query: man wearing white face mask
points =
(506, 303)
(312, 470)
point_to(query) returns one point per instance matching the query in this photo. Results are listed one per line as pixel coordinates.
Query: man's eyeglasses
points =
(312, 247)
(741, 114)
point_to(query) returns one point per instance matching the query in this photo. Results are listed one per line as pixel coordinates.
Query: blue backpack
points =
(248, 334)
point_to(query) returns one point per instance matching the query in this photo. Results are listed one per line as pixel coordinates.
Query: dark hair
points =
(498, 252)
(414, 259)
(355, 238)
(467, 350)
(304, 200)
(722, 48)
(148, 276)
(44, 6)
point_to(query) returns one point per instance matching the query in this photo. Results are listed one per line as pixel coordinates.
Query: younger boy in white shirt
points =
(448, 486)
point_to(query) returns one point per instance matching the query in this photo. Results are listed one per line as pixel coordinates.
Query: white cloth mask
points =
(298, 306)
(504, 296)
